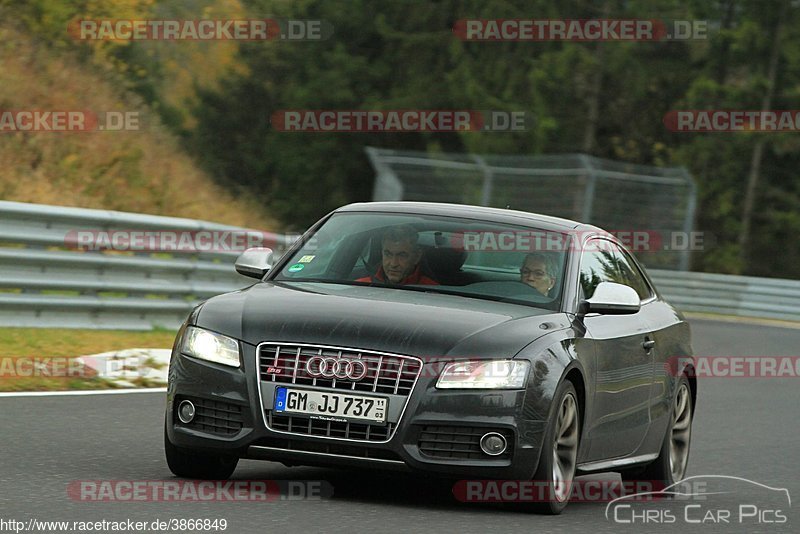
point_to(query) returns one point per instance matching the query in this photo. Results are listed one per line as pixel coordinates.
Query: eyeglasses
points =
(538, 273)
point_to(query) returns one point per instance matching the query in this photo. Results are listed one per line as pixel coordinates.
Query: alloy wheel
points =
(681, 433)
(565, 448)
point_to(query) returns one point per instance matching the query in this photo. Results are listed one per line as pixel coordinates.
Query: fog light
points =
(186, 411)
(493, 444)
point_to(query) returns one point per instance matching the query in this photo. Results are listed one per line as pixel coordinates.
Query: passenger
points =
(539, 272)
(401, 255)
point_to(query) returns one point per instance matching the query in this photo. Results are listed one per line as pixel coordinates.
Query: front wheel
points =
(559, 452)
(186, 464)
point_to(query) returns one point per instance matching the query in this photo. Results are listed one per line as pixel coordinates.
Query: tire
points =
(670, 466)
(186, 464)
(558, 458)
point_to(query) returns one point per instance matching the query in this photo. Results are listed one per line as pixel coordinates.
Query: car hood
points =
(408, 322)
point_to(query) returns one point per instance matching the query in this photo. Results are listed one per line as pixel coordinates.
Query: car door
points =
(623, 358)
(672, 338)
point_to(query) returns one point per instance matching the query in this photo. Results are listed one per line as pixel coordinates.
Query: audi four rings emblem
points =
(341, 368)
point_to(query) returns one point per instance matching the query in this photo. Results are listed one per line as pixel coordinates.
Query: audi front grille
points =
(386, 373)
(286, 364)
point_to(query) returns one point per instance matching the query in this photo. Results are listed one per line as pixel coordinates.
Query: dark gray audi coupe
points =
(464, 341)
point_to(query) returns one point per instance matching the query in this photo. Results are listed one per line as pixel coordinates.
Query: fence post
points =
(388, 186)
(688, 223)
(588, 199)
(488, 180)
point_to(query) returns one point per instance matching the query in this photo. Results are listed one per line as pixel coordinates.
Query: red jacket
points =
(415, 278)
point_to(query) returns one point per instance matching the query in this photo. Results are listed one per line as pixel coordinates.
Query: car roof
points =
(509, 216)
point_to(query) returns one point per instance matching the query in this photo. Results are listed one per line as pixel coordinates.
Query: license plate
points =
(329, 406)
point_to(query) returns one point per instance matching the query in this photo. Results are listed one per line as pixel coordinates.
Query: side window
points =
(603, 261)
(597, 263)
(633, 277)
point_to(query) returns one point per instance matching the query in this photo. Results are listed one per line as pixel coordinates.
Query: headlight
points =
(210, 346)
(496, 374)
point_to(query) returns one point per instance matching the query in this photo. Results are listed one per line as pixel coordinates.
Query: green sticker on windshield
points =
(296, 267)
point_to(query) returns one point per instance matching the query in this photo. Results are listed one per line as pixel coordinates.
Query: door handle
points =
(648, 343)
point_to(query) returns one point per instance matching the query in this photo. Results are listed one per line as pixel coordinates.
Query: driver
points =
(400, 259)
(538, 271)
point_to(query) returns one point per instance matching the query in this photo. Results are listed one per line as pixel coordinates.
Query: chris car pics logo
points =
(705, 500)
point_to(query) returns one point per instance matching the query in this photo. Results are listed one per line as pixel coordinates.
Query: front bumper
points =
(232, 421)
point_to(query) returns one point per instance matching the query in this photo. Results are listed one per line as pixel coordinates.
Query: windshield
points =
(447, 255)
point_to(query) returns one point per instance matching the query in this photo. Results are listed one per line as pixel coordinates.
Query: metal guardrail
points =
(743, 296)
(46, 282)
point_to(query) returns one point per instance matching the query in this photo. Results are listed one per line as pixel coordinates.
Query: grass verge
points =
(39, 344)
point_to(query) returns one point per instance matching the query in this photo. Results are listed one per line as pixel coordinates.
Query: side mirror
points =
(254, 262)
(611, 298)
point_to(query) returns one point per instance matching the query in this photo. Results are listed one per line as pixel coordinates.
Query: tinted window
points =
(633, 277)
(603, 261)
